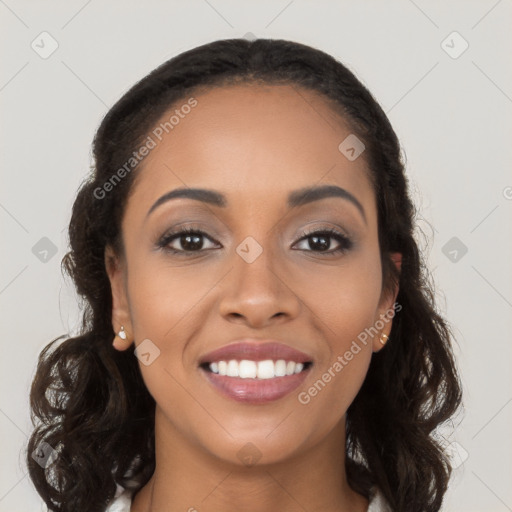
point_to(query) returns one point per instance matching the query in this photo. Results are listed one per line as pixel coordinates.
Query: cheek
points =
(168, 307)
(326, 397)
(344, 304)
(163, 299)
(343, 298)
(338, 376)
(162, 311)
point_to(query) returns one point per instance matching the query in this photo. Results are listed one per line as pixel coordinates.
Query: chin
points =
(256, 450)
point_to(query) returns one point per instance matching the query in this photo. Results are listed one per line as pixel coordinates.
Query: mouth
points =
(255, 373)
(256, 370)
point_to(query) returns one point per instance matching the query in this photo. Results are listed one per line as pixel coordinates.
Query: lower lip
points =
(256, 391)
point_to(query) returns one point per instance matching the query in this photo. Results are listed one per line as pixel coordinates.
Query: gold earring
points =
(384, 338)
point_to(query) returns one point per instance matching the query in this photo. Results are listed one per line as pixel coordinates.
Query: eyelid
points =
(176, 232)
(344, 240)
(323, 226)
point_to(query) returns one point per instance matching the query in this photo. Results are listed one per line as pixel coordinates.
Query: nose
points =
(258, 293)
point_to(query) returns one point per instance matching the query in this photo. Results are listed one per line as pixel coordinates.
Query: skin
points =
(255, 144)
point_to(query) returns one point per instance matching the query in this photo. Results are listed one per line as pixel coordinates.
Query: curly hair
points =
(89, 400)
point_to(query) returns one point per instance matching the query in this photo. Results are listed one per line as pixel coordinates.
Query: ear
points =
(387, 310)
(116, 271)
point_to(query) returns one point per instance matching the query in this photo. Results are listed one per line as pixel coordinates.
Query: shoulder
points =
(377, 502)
(122, 501)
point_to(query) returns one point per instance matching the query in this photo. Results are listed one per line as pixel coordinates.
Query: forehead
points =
(251, 141)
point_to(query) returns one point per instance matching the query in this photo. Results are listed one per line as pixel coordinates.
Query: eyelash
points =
(344, 241)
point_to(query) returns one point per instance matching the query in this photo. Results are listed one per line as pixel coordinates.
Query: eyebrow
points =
(296, 198)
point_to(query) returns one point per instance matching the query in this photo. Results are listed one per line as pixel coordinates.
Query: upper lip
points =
(255, 350)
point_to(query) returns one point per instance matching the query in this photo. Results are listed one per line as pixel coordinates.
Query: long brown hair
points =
(89, 401)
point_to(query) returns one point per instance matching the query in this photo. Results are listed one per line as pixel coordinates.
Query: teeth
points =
(246, 369)
(232, 369)
(266, 369)
(280, 368)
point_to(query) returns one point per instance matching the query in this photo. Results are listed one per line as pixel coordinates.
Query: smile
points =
(255, 371)
(247, 369)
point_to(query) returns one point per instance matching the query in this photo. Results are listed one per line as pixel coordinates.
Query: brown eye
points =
(320, 241)
(191, 241)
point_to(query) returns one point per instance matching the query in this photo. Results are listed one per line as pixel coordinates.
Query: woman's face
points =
(253, 275)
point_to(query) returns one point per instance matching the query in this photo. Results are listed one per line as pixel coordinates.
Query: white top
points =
(122, 502)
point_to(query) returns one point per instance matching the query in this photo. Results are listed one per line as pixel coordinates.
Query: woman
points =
(259, 332)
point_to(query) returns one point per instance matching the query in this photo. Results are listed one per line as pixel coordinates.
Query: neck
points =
(187, 478)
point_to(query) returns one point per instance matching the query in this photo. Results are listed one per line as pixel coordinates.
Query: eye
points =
(191, 240)
(319, 241)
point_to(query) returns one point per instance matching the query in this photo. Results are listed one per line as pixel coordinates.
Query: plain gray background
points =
(450, 108)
